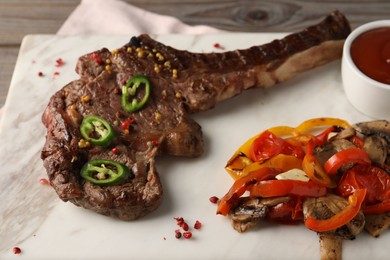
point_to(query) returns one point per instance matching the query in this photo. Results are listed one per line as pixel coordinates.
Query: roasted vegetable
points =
(325, 173)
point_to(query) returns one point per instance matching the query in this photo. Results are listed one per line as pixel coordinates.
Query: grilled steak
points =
(181, 83)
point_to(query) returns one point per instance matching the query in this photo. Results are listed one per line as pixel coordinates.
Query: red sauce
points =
(371, 53)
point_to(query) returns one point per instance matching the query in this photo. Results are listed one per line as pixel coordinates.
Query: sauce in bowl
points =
(370, 52)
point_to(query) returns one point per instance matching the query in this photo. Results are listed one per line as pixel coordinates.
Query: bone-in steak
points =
(181, 83)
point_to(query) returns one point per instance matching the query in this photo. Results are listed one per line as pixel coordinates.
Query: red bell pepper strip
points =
(275, 188)
(241, 185)
(379, 208)
(341, 218)
(357, 141)
(289, 212)
(322, 138)
(268, 145)
(355, 155)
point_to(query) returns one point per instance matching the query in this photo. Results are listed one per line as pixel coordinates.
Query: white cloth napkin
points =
(115, 17)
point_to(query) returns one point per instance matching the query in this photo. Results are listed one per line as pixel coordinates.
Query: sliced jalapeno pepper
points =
(96, 130)
(104, 172)
(130, 103)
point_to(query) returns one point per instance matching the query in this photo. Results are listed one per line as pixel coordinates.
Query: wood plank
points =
(7, 63)
(265, 16)
(18, 18)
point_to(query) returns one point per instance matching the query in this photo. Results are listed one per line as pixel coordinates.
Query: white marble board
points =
(34, 219)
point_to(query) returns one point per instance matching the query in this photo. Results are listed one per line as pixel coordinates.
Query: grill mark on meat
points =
(203, 80)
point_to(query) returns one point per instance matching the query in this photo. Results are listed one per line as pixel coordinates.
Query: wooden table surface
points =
(21, 17)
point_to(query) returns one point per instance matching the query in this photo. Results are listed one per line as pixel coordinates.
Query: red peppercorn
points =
(126, 124)
(184, 226)
(187, 234)
(179, 221)
(44, 181)
(155, 141)
(40, 74)
(177, 234)
(197, 225)
(218, 46)
(59, 62)
(214, 199)
(95, 57)
(115, 150)
(16, 250)
(56, 73)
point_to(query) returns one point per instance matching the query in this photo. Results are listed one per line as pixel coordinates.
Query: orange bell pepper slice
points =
(314, 170)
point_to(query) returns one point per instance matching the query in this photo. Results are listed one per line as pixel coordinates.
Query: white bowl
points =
(367, 95)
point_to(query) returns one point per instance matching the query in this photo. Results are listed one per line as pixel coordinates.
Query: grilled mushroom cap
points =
(323, 153)
(376, 147)
(326, 207)
(250, 210)
(377, 140)
(378, 127)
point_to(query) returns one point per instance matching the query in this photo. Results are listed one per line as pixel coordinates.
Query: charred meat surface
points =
(181, 83)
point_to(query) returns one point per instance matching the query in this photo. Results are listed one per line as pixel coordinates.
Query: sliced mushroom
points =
(377, 224)
(250, 210)
(376, 147)
(344, 134)
(325, 152)
(330, 246)
(378, 127)
(352, 228)
(326, 207)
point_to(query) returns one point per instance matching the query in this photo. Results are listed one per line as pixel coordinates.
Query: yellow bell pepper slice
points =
(240, 163)
(280, 162)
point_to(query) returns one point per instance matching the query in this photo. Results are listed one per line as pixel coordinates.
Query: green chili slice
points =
(130, 103)
(104, 172)
(96, 130)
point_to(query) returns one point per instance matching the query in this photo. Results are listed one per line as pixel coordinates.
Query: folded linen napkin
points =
(118, 17)
(115, 17)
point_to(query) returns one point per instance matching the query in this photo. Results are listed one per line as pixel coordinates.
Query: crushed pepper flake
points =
(218, 46)
(59, 62)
